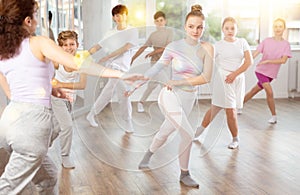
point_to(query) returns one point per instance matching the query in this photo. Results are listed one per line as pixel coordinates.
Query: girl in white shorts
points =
(233, 57)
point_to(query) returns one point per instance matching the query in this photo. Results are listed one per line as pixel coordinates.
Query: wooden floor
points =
(267, 161)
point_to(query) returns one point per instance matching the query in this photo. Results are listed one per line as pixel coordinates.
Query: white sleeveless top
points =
(67, 77)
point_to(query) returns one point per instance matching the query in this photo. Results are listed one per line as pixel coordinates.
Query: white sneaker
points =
(239, 111)
(273, 120)
(91, 120)
(140, 107)
(233, 145)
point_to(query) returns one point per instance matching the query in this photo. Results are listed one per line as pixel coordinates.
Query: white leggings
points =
(176, 105)
(114, 86)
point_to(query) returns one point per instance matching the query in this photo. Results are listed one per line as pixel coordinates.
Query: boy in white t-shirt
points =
(118, 42)
(66, 78)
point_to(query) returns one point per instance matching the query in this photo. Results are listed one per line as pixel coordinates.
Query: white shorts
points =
(228, 95)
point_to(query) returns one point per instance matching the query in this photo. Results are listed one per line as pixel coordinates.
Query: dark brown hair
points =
(67, 34)
(119, 9)
(12, 33)
(159, 14)
(196, 10)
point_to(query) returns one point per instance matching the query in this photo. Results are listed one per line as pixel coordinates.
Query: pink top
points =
(272, 49)
(29, 79)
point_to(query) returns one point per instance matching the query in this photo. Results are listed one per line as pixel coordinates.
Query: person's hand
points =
(230, 78)
(264, 62)
(148, 55)
(128, 93)
(170, 84)
(63, 93)
(131, 78)
(55, 83)
(81, 57)
(134, 86)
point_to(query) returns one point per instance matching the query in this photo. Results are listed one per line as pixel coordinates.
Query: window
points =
(289, 10)
(175, 11)
(254, 17)
(66, 15)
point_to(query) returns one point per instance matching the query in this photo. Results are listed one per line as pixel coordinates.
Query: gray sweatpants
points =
(25, 134)
(63, 124)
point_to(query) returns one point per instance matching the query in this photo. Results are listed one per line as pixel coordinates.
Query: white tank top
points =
(67, 77)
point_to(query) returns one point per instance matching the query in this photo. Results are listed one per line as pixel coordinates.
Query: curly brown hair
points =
(12, 32)
(67, 34)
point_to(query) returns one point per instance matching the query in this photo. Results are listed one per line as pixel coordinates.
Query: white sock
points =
(235, 139)
(91, 119)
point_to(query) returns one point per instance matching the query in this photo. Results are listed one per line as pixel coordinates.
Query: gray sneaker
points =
(188, 181)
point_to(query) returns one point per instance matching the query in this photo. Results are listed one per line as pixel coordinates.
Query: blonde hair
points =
(196, 10)
(280, 20)
(196, 7)
(229, 19)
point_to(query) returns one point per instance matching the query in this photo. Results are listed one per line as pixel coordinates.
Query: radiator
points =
(294, 75)
(298, 76)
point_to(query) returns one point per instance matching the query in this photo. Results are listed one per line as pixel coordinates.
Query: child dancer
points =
(122, 39)
(68, 79)
(275, 51)
(233, 57)
(159, 39)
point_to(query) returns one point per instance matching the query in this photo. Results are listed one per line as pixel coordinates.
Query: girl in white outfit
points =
(233, 57)
(191, 62)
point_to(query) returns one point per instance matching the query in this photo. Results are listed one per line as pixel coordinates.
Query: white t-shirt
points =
(115, 39)
(229, 55)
